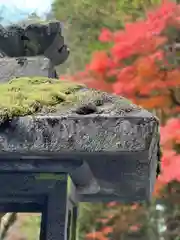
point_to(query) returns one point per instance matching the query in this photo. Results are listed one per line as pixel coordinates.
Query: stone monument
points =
(61, 143)
(31, 49)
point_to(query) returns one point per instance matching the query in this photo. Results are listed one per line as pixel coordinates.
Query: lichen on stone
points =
(42, 114)
(37, 21)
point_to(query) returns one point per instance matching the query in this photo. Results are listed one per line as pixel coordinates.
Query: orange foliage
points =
(145, 80)
(138, 67)
(96, 236)
(155, 102)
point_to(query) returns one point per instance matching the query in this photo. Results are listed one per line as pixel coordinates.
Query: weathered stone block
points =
(34, 39)
(32, 66)
(108, 145)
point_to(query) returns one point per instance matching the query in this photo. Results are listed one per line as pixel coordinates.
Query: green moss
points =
(25, 96)
(41, 96)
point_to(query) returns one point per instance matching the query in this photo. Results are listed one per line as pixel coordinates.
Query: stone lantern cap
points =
(34, 39)
(109, 146)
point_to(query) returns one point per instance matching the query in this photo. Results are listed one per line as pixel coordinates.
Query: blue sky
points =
(31, 5)
(13, 11)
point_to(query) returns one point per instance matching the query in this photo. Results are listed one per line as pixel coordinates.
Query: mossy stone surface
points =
(117, 140)
(38, 21)
(40, 95)
(26, 96)
(50, 114)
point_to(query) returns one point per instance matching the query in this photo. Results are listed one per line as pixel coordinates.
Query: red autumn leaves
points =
(138, 67)
(170, 137)
(131, 67)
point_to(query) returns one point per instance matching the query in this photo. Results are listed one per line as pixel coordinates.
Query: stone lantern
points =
(62, 143)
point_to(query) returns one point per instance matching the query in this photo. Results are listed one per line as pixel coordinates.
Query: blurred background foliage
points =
(83, 20)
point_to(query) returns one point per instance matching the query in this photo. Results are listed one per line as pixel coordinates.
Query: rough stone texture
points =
(34, 66)
(34, 39)
(124, 137)
(87, 133)
(114, 126)
(30, 39)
